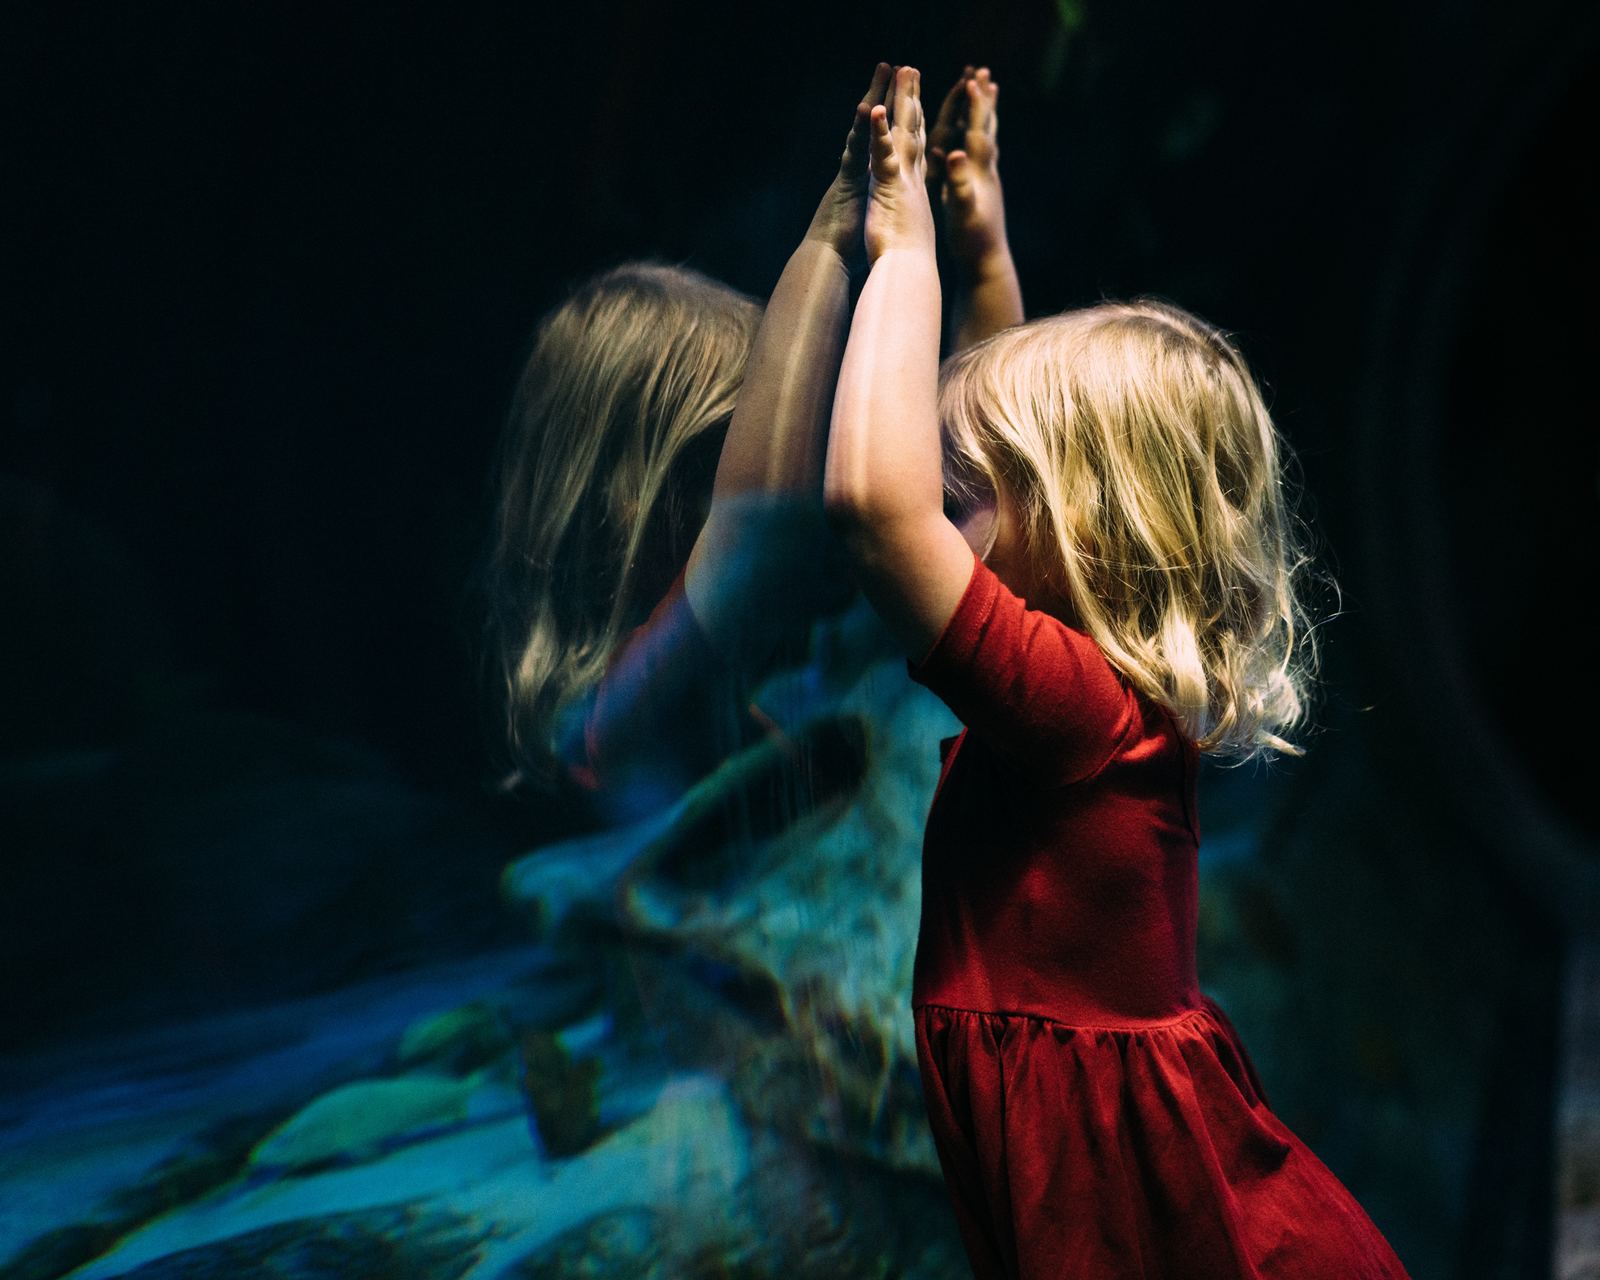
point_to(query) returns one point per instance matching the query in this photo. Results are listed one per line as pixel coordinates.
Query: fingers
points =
(958, 176)
(982, 94)
(856, 145)
(880, 83)
(854, 159)
(953, 102)
(885, 164)
(907, 105)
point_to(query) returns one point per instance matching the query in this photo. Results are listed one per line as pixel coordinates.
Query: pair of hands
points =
(890, 158)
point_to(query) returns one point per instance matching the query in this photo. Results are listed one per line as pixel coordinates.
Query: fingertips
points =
(859, 128)
(907, 88)
(880, 82)
(908, 100)
(883, 162)
(879, 126)
(981, 94)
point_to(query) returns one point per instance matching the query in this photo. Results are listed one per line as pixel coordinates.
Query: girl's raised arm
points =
(964, 160)
(884, 483)
(756, 568)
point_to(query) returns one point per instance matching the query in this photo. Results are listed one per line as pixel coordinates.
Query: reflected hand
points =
(966, 157)
(839, 218)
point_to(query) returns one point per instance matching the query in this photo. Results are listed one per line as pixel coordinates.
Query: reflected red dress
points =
(668, 710)
(1095, 1113)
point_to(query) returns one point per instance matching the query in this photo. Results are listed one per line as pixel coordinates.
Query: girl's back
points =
(1059, 863)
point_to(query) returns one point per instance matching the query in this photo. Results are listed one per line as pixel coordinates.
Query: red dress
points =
(1094, 1111)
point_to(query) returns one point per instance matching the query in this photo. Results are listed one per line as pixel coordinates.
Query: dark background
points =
(270, 272)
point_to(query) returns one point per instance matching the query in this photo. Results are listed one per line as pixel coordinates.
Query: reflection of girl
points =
(659, 486)
(1133, 604)
(615, 430)
(659, 510)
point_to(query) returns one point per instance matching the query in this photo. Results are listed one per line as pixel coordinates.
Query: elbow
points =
(864, 526)
(852, 514)
(842, 506)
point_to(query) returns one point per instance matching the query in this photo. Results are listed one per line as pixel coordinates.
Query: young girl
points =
(1118, 598)
(659, 488)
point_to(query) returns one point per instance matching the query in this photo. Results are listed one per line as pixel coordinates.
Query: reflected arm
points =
(750, 564)
(761, 564)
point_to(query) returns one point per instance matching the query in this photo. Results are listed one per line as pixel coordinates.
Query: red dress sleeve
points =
(1038, 691)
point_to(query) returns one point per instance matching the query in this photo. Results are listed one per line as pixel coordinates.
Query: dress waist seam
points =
(1204, 1007)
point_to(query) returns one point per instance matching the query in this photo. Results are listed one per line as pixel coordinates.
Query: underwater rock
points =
(361, 1120)
(456, 1041)
(403, 1242)
(562, 1092)
(611, 1246)
(57, 1252)
(792, 1216)
(693, 1141)
(208, 1159)
(576, 878)
(764, 926)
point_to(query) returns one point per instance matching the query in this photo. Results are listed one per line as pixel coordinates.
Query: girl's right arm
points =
(884, 484)
(1038, 691)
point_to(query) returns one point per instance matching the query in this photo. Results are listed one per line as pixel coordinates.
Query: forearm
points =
(755, 569)
(883, 456)
(988, 299)
(776, 439)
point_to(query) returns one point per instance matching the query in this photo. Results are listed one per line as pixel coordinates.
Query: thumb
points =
(958, 171)
(885, 164)
(856, 145)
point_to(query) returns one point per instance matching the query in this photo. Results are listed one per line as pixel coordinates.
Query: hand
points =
(966, 158)
(838, 220)
(948, 129)
(898, 213)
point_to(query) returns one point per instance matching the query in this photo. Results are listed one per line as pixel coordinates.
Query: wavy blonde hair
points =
(603, 481)
(1147, 477)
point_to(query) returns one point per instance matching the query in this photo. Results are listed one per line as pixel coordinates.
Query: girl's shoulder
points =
(1034, 688)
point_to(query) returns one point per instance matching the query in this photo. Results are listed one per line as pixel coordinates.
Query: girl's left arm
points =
(965, 161)
(884, 484)
(756, 569)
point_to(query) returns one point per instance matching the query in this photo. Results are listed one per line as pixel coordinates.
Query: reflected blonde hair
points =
(603, 481)
(1146, 474)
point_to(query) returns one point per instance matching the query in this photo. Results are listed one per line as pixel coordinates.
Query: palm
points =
(966, 159)
(897, 202)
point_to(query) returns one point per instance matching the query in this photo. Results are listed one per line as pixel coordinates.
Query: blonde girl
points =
(1118, 597)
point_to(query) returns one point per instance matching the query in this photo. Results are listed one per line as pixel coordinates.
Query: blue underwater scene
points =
(694, 1055)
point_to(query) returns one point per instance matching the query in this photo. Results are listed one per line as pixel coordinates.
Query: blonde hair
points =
(603, 480)
(1146, 475)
